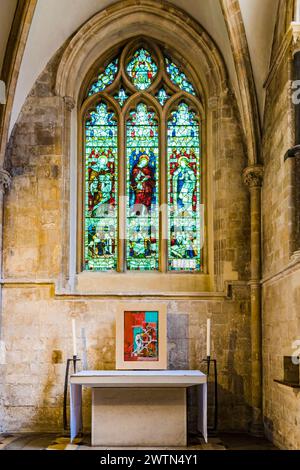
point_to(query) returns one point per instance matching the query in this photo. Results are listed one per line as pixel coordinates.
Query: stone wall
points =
(281, 270)
(37, 334)
(36, 316)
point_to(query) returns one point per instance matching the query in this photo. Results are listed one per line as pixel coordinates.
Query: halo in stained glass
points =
(142, 176)
(121, 96)
(178, 77)
(162, 96)
(142, 69)
(105, 78)
(101, 192)
(184, 224)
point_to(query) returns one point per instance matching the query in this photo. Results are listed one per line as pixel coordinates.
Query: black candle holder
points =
(74, 360)
(208, 361)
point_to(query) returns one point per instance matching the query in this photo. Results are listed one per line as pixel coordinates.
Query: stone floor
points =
(41, 441)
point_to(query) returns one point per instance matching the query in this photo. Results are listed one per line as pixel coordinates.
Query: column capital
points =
(212, 103)
(69, 102)
(5, 180)
(253, 176)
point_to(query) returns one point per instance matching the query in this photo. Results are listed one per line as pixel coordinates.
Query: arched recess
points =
(121, 22)
(184, 39)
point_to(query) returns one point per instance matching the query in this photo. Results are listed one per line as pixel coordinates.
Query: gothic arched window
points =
(142, 156)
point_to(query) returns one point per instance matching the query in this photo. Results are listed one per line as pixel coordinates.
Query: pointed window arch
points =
(142, 165)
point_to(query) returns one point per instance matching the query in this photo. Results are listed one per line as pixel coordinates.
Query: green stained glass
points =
(105, 78)
(184, 241)
(101, 192)
(121, 96)
(162, 96)
(178, 77)
(142, 175)
(142, 69)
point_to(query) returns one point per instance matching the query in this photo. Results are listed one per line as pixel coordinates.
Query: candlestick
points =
(74, 337)
(208, 337)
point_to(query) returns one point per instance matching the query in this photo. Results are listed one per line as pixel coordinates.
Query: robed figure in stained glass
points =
(101, 146)
(184, 194)
(184, 183)
(101, 240)
(101, 185)
(136, 140)
(142, 183)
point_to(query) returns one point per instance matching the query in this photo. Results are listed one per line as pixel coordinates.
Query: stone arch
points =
(157, 20)
(188, 43)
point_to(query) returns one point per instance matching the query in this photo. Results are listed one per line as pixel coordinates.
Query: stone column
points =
(5, 181)
(253, 177)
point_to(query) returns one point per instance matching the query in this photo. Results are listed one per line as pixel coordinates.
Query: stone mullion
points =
(163, 197)
(122, 194)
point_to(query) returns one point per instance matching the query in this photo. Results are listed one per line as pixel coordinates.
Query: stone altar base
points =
(139, 417)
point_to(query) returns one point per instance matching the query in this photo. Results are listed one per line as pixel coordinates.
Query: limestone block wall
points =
(38, 336)
(281, 275)
(36, 313)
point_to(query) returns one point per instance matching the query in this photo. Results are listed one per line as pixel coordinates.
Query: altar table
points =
(138, 408)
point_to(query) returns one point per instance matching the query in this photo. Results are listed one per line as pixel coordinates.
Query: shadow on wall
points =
(234, 413)
(47, 416)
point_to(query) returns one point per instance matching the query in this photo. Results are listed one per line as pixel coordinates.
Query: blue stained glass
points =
(178, 77)
(105, 78)
(142, 177)
(162, 96)
(184, 241)
(101, 191)
(121, 96)
(142, 69)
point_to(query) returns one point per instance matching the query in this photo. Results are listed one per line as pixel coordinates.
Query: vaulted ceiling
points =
(56, 20)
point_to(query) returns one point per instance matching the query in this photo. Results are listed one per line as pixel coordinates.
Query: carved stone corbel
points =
(5, 180)
(253, 176)
(69, 102)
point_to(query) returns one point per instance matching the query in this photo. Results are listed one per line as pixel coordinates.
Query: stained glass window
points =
(101, 192)
(129, 139)
(162, 96)
(121, 96)
(142, 69)
(183, 189)
(105, 78)
(178, 77)
(142, 251)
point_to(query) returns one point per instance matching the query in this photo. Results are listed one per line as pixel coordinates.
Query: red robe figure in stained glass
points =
(142, 182)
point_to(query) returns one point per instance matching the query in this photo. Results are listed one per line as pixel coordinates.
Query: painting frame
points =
(159, 363)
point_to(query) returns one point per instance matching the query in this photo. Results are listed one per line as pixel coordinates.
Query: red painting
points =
(140, 336)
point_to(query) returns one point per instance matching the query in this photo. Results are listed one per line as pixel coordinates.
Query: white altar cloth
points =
(136, 379)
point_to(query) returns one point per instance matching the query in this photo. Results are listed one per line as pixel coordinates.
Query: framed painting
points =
(141, 336)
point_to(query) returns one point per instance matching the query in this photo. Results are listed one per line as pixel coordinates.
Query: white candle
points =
(74, 337)
(208, 337)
